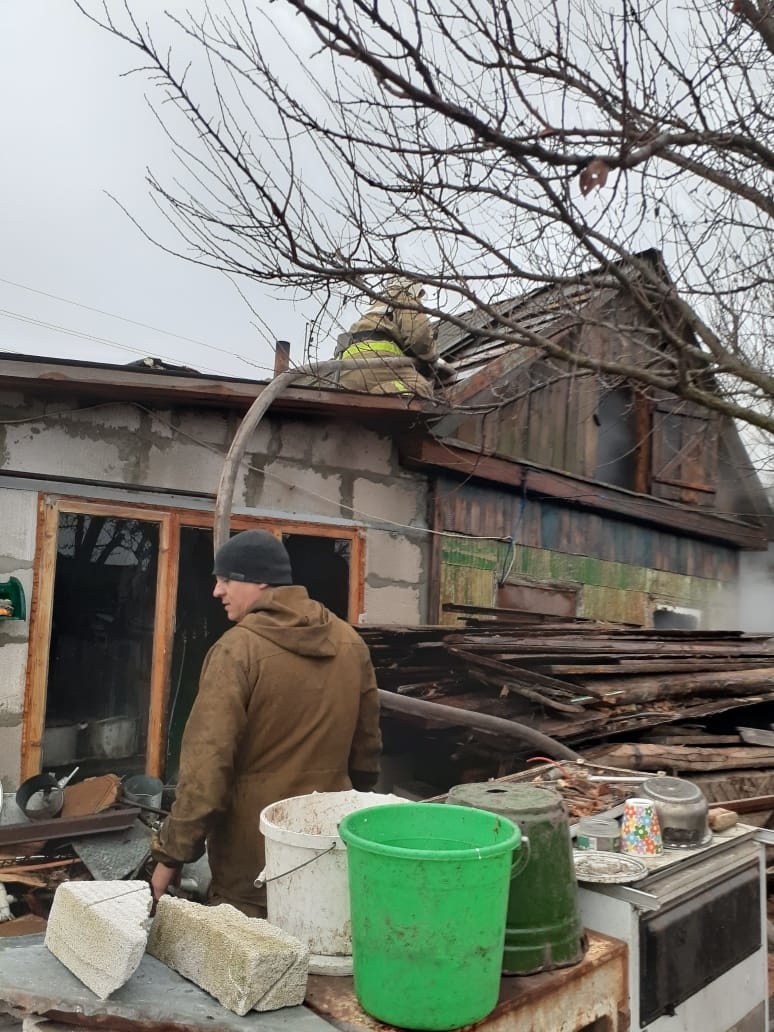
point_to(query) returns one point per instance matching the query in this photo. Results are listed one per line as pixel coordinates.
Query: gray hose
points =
(477, 721)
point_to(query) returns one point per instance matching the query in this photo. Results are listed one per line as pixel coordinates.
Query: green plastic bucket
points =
(428, 888)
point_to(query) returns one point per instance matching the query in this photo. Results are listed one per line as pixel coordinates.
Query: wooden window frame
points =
(170, 521)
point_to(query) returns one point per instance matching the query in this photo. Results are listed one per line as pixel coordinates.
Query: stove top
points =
(680, 872)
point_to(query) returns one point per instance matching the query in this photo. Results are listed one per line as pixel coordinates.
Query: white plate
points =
(593, 865)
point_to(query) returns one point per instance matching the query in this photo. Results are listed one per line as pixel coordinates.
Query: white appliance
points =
(696, 932)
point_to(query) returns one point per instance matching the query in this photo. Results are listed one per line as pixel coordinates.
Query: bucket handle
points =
(522, 860)
(262, 880)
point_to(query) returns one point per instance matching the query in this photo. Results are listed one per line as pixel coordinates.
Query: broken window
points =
(101, 642)
(676, 618)
(123, 617)
(616, 438)
(321, 565)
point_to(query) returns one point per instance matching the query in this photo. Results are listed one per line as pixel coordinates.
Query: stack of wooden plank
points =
(589, 684)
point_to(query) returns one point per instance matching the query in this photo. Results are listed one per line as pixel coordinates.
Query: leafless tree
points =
(488, 149)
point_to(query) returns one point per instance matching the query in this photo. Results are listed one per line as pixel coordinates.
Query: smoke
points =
(755, 592)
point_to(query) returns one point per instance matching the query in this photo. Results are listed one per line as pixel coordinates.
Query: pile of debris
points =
(633, 698)
(95, 835)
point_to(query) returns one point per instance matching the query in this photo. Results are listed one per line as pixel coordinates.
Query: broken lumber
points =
(644, 756)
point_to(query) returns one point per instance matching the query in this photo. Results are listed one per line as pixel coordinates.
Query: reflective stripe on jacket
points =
(372, 347)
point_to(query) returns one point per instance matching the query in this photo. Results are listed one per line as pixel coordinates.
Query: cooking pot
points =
(42, 796)
(682, 812)
(113, 738)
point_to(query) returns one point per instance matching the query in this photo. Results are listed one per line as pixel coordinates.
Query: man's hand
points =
(162, 877)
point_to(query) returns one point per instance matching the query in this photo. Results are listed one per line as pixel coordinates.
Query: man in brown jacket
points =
(287, 705)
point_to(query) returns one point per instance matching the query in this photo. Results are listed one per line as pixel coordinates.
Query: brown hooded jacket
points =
(287, 705)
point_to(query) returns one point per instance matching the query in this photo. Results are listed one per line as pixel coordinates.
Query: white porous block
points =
(244, 962)
(99, 930)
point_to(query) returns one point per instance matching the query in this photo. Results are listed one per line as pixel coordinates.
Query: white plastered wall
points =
(18, 519)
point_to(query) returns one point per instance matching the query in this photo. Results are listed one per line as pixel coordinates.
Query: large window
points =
(121, 621)
(101, 643)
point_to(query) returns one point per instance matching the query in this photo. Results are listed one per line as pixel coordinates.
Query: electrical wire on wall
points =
(510, 555)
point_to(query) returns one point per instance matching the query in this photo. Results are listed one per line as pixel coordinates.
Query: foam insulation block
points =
(99, 930)
(246, 963)
(720, 819)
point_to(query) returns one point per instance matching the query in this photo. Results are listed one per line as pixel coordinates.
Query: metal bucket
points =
(544, 929)
(113, 738)
(143, 790)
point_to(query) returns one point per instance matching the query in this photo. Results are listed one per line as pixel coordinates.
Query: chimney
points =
(281, 356)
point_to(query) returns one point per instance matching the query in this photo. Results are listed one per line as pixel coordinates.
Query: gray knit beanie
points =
(255, 556)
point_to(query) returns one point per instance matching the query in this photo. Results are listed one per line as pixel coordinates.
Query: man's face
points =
(238, 597)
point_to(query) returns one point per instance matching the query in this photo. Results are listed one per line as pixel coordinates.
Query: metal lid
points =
(672, 790)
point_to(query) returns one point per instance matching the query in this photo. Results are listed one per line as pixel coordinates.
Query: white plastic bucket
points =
(307, 892)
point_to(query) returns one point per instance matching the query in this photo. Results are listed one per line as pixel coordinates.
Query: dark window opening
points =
(616, 439)
(199, 621)
(101, 644)
(668, 619)
(321, 565)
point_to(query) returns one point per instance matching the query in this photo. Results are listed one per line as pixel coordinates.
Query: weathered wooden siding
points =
(555, 414)
(472, 571)
(485, 512)
(619, 567)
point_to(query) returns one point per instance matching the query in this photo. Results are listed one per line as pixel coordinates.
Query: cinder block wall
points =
(303, 469)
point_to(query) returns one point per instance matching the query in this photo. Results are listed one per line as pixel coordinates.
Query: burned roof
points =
(547, 312)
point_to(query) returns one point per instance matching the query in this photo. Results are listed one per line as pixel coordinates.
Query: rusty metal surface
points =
(64, 827)
(571, 998)
(155, 999)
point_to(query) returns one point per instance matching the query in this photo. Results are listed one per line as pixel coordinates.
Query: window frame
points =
(170, 519)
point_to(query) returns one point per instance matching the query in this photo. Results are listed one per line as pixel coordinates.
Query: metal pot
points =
(682, 812)
(113, 738)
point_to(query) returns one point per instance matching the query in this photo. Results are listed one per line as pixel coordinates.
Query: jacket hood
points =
(287, 617)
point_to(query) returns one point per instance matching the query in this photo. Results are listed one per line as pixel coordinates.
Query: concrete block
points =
(298, 490)
(10, 758)
(19, 512)
(392, 557)
(13, 671)
(402, 502)
(244, 962)
(99, 931)
(392, 605)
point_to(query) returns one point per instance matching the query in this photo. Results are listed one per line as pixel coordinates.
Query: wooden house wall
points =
(549, 414)
(619, 567)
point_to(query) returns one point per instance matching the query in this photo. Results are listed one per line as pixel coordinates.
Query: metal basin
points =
(682, 812)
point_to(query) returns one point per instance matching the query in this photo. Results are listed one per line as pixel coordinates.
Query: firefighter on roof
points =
(395, 343)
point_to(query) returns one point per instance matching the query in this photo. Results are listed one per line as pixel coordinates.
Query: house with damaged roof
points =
(567, 491)
(521, 487)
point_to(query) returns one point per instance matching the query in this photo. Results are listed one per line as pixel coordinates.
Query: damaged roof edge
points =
(125, 383)
(456, 457)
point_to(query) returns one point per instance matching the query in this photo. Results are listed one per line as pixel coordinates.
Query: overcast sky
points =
(75, 130)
